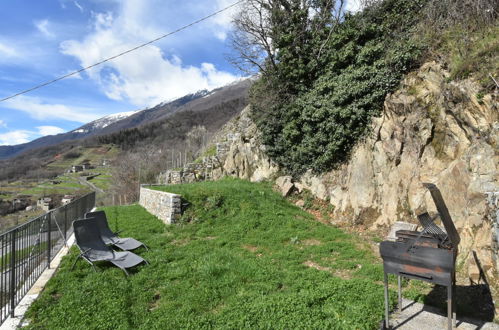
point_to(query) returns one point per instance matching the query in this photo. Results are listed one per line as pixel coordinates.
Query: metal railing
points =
(27, 250)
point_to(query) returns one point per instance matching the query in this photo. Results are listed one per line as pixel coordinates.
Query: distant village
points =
(47, 203)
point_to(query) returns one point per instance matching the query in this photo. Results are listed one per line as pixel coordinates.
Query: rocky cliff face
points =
(431, 130)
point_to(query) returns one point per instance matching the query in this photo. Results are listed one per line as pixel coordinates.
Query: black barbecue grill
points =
(428, 255)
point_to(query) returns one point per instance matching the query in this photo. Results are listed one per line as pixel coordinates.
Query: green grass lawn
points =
(241, 257)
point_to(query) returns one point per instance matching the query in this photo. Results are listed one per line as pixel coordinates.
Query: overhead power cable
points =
(121, 54)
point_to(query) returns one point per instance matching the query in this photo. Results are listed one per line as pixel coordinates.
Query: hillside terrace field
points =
(240, 257)
(67, 183)
(63, 184)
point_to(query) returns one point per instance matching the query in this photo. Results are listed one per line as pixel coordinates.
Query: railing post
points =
(49, 237)
(65, 224)
(84, 204)
(13, 273)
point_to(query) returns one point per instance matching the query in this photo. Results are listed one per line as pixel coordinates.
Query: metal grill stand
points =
(429, 255)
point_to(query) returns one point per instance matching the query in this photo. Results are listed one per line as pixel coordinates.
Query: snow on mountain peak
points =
(104, 121)
(108, 120)
(120, 115)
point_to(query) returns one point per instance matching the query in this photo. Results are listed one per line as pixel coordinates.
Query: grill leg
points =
(449, 306)
(454, 309)
(387, 320)
(399, 280)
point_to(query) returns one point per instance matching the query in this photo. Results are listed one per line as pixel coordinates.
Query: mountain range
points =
(193, 103)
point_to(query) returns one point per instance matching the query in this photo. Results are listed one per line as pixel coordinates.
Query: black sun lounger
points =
(109, 237)
(92, 247)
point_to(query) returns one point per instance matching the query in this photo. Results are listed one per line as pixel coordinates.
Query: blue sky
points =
(43, 39)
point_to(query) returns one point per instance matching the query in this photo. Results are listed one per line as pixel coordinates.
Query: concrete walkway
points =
(416, 316)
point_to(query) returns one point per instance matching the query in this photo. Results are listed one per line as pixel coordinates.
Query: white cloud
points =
(41, 110)
(353, 6)
(7, 51)
(144, 77)
(22, 136)
(3, 124)
(15, 137)
(78, 6)
(223, 21)
(43, 27)
(30, 51)
(49, 130)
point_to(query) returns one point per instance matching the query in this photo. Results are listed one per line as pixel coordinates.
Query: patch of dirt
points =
(311, 242)
(332, 258)
(318, 216)
(180, 242)
(300, 217)
(210, 238)
(56, 296)
(300, 203)
(345, 274)
(218, 308)
(315, 265)
(155, 301)
(250, 248)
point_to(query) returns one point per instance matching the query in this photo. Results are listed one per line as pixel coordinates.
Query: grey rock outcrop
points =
(431, 130)
(246, 158)
(285, 185)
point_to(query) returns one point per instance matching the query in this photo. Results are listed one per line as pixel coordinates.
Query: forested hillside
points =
(172, 131)
(160, 128)
(196, 102)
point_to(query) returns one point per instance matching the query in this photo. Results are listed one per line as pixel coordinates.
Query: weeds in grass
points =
(473, 53)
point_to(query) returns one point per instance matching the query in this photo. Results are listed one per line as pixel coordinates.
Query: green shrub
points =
(72, 155)
(367, 55)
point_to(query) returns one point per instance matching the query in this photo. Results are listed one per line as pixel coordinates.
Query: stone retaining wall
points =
(192, 172)
(165, 206)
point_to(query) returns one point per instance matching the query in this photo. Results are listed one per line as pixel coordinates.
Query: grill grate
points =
(429, 227)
